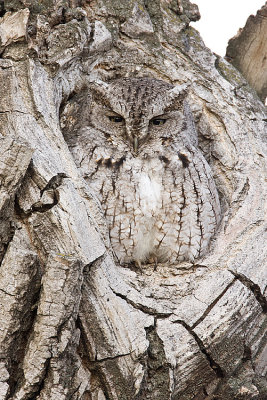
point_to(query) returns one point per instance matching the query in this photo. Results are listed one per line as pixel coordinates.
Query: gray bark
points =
(73, 324)
(247, 51)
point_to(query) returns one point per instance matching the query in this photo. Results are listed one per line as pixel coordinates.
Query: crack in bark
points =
(247, 355)
(213, 364)
(2, 9)
(44, 376)
(54, 182)
(141, 307)
(36, 207)
(8, 294)
(98, 260)
(98, 368)
(19, 349)
(12, 111)
(109, 358)
(5, 246)
(156, 381)
(253, 287)
(42, 208)
(210, 307)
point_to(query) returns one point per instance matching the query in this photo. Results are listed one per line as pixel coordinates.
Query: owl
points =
(138, 151)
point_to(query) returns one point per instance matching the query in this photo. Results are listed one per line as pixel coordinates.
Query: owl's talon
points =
(138, 265)
(153, 260)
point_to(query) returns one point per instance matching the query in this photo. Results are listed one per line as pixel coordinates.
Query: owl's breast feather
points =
(150, 193)
(149, 202)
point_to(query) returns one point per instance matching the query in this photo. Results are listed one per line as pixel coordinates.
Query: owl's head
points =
(137, 110)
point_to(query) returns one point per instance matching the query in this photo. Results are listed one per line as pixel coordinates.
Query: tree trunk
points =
(75, 324)
(247, 51)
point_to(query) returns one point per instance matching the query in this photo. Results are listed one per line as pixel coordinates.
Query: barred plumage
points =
(139, 153)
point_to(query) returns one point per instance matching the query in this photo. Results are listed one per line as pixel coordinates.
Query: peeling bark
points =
(74, 324)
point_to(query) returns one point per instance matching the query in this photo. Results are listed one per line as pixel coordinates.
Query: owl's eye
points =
(114, 118)
(158, 121)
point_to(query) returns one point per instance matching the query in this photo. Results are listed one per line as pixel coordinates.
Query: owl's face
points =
(135, 112)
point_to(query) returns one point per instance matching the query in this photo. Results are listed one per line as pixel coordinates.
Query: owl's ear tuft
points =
(176, 96)
(99, 85)
(179, 91)
(100, 90)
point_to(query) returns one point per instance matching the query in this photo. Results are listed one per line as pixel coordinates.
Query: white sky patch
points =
(221, 19)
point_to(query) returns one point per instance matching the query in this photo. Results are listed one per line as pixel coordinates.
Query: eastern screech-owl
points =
(139, 153)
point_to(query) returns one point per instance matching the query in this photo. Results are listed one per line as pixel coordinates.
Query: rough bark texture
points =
(73, 324)
(247, 51)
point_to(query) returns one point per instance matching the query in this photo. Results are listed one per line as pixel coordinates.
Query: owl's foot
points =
(136, 264)
(153, 260)
(139, 265)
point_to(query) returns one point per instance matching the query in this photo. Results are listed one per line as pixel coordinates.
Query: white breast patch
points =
(150, 192)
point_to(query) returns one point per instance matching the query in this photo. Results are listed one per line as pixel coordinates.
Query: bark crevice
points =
(213, 364)
(156, 382)
(253, 287)
(163, 334)
(212, 304)
(142, 307)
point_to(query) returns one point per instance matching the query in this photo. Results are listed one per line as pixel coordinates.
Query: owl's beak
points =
(135, 144)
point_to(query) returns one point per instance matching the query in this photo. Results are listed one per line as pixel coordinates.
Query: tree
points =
(74, 325)
(247, 52)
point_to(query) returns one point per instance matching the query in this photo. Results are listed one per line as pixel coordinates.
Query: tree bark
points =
(74, 324)
(247, 51)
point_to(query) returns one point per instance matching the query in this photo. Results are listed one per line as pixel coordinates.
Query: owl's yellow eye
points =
(158, 121)
(116, 119)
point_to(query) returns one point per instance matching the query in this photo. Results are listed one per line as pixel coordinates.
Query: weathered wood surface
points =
(74, 325)
(247, 51)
